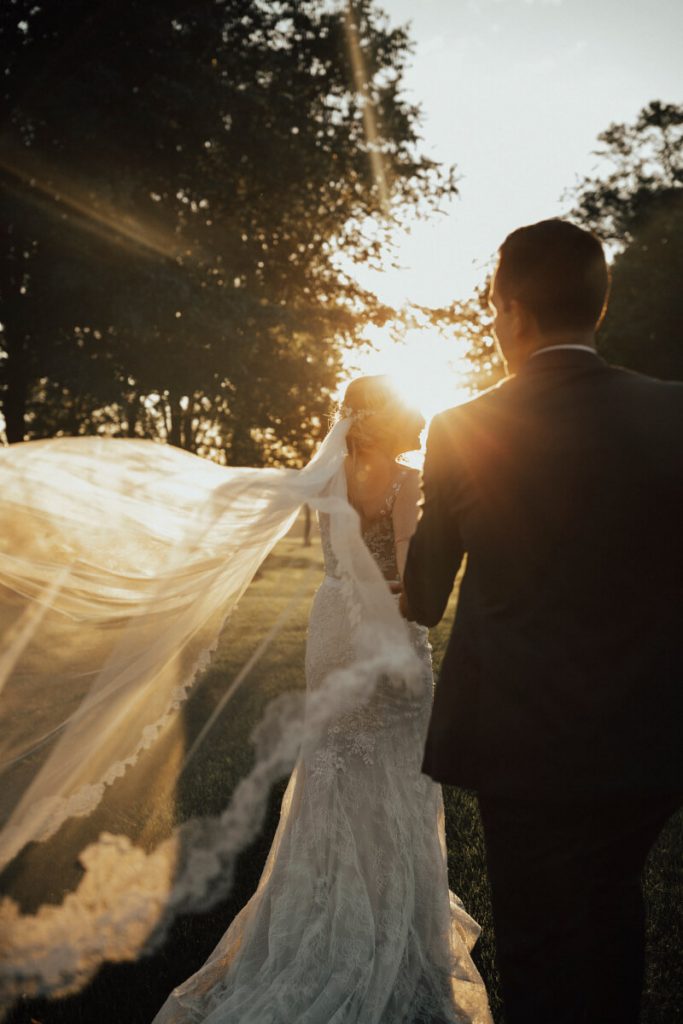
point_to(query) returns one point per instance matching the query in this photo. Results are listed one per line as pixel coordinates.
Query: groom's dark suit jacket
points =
(564, 671)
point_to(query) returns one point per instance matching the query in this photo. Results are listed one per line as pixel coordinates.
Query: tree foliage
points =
(636, 206)
(178, 179)
(638, 161)
(643, 328)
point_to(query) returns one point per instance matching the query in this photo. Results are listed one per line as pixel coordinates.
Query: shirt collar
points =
(557, 348)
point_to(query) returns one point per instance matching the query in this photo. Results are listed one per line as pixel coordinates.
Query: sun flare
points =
(428, 370)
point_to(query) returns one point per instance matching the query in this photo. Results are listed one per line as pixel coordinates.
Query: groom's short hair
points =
(558, 272)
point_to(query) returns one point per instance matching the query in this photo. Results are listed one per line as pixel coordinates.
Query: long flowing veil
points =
(120, 561)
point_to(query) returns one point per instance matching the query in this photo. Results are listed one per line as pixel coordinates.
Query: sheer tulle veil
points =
(120, 561)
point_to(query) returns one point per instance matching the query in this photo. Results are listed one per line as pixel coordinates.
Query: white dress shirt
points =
(554, 348)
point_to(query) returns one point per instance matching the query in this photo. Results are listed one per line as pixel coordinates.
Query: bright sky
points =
(515, 93)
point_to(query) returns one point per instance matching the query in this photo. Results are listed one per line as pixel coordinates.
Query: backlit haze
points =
(515, 93)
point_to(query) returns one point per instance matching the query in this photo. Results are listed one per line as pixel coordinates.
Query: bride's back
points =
(372, 482)
(382, 427)
(376, 523)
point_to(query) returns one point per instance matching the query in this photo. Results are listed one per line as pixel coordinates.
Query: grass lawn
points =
(132, 993)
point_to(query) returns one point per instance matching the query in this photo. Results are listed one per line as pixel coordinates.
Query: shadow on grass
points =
(132, 993)
(151, 799)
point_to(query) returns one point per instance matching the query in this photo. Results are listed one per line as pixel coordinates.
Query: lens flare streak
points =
(360, 79)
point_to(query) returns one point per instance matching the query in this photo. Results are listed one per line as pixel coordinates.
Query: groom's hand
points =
(396, 587)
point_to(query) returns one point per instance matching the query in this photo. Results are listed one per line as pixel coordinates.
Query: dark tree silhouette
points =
(178, 178)
(644, 325)
(636, 206)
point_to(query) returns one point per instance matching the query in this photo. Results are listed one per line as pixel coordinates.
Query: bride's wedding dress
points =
(119, 563)
(352, 920)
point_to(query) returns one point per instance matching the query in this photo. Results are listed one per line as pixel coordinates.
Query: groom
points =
(559, 696)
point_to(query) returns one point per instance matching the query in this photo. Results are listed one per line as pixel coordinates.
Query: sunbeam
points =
(369, 123)
(48, 190)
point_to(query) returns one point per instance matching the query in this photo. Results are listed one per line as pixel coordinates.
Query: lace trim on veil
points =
(54, 811)
(146, 502)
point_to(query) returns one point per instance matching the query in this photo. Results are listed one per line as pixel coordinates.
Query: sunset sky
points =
(515, 92)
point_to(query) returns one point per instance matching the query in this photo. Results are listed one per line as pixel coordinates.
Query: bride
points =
(352, 920)
(119, 562)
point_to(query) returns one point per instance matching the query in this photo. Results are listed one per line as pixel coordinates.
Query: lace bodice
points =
(378, 534)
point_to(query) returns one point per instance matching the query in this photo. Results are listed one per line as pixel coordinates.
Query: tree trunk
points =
(307, 526)
(243, 449)
(188, 433)
(15, 398)
(175, 419)
(132, 407)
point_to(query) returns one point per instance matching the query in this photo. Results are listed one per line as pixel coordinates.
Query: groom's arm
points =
(436, 549)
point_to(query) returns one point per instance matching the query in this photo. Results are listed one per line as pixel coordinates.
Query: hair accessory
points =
(346, 413)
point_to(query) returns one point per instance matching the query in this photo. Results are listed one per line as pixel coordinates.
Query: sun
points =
(428, 370)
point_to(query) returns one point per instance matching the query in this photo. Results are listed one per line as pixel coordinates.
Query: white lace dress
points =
(352, 921)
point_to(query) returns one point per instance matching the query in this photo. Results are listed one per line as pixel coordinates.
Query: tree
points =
(643, 328)
(639, 161)
(637, 208)
(178, 177)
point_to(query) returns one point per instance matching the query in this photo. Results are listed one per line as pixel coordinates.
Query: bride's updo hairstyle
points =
(380, 418)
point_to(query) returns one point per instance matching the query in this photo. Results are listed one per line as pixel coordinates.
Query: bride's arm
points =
(405, 517)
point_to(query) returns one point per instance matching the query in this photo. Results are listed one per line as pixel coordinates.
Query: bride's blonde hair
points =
(377, 411)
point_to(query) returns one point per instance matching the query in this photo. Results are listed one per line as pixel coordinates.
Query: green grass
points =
(146, 808)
